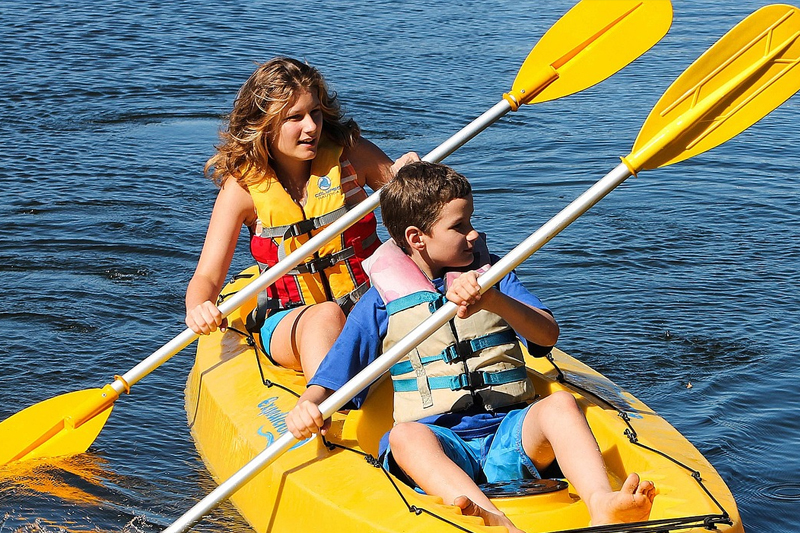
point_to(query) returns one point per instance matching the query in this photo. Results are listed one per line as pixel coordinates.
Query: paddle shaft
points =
(181, 341)
(383, 363)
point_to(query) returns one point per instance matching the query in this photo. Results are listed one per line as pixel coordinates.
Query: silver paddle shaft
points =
(383, 363)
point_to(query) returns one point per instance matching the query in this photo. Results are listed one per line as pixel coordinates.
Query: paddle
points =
(735, 83)
(595, 39)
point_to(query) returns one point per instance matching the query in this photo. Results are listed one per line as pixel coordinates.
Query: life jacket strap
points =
(369, 240)
(468, 348)
(334, 258)
(321, 263)
(412, 300)
(264, 306)
(472, 380)
(464, 350)
(347, 301)
(255, 320)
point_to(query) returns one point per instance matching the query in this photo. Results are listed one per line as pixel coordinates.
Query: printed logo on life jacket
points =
(324, 184)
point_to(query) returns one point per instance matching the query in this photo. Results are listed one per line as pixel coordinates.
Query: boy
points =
(464, 390)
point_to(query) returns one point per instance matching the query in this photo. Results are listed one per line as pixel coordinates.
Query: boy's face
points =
(451, 239)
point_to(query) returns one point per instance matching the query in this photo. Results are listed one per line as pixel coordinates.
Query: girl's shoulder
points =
(370, 163)
(235, 199)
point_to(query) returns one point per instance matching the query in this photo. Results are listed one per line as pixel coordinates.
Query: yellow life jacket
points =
(334, 273)
(466, 361)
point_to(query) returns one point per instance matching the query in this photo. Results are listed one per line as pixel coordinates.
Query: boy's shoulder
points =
(371, 299)
(369, 311)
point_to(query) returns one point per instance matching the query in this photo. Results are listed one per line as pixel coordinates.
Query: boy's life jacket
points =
(334, 273)
(469, 361)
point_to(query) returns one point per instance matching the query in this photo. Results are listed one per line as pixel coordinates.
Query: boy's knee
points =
(403, 435)
(563, 401)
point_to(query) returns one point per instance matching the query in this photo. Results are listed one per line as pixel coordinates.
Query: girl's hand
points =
(403, 160)
(205, 318)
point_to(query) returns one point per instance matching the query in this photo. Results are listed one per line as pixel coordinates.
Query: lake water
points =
(687, 274)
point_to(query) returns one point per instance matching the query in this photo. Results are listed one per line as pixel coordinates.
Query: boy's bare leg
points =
(417, 451)
(555, 428)
(632, 503)
(470, 508)
(305, 335)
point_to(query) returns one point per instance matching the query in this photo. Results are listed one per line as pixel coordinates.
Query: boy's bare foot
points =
(470, 508)
(632, 503)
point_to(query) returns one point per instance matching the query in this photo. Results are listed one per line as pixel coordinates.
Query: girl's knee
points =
(327, 313)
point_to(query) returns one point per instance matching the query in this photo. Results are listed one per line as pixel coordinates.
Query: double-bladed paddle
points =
(592, 41)
(749, 72)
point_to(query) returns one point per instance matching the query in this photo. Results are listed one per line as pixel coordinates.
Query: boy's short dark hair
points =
(416, 196)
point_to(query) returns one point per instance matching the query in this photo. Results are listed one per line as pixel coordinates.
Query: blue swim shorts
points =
(494, 458)
(269, 328)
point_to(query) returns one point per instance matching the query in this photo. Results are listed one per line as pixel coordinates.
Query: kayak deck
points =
(236, 401)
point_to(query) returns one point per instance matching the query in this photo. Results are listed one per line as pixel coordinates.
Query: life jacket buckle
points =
(460, 351)
(470, 381)
(464, 349)
(300, 228)
(324, 262)
(450, 354)
(314, 266)
(434, 305)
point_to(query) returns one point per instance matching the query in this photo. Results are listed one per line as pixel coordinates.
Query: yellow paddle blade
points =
(592, 41)
(53, 427)
(749, 72)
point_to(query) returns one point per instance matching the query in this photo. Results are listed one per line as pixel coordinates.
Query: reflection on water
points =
(80, 489)
(78, 480)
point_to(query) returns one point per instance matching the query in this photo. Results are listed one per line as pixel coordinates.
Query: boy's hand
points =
(305, 420)
(465, 292)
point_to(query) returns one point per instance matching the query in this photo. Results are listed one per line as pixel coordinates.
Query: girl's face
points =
(297, 134)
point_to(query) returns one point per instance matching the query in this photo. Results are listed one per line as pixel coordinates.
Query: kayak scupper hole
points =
(523, 487)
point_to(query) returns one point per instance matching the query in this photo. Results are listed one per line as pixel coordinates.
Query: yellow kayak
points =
(236, 401)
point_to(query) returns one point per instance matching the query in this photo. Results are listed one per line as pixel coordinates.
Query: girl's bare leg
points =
(305, 335)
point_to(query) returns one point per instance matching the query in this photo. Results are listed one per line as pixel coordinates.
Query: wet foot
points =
(632, 503)
(470, 508)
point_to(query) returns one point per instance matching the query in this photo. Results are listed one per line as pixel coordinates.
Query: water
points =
(687, 274)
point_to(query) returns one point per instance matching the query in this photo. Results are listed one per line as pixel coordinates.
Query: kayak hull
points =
(236, 402)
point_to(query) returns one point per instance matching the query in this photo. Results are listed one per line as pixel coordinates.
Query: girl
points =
(287, 166)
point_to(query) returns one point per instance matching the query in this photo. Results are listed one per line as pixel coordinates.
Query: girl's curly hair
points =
(258, 110)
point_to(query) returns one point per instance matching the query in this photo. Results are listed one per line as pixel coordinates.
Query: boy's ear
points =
(414, 238)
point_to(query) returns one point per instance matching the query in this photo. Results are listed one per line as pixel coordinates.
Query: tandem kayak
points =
(236, 402)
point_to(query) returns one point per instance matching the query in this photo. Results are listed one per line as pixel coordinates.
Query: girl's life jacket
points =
(334, 273)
